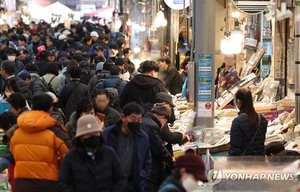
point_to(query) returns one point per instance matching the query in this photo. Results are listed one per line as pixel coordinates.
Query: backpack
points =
(100, 79)
(114, 101)
(48, 85)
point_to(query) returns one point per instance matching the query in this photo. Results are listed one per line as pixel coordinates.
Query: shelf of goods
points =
(184, 123)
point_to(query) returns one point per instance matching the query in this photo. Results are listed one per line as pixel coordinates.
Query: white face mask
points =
(131, 57)
(189, 184)
(11, 58)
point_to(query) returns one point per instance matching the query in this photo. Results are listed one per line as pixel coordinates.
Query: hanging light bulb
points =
(136, 49)
(235, 14)
(226, 45)
(160, 20)
(237, 38)
(129, 23)
(142, 27)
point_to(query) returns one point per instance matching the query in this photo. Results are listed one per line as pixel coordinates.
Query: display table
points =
(215, 151)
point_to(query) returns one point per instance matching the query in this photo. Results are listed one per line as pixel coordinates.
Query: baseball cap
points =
(161, 109)
(99, 48)
(94, 34)
(41, 48)
(87, 124)
(99, 66)
(62, 37)
(24, 74)
(193, 164)
(83, 64)
(51, 52)
(164, 97)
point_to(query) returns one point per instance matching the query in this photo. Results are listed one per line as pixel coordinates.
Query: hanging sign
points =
(205, 77)
(177, 4)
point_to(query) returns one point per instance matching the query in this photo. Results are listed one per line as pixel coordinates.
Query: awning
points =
(105, 13)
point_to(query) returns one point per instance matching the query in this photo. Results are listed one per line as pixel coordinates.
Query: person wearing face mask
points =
(91, 166)
(11, 56)
(143, 87)
(152, 124)
(132, 146)
(189, 170)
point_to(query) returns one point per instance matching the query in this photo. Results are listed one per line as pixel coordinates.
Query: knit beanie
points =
(193, 164)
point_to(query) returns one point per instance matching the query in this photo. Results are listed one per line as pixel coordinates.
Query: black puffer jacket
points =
(242, 133)
(142, 89)
(172, 79)
(79, 173)
(71, 95)
(35, 87)
(152, 126)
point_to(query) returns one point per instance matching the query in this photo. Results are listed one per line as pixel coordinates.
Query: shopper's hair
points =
(22, 38)
(13, 85)
(41, 102)
(72, 62)
(245, 96)
(102, 92)
(165, 59)
(131, 108)
(119, 61)
(126, 51)
(84, 105)
(17, 101)
(7, 120)
(30, 67)
(74, 71)
(8, 66)
(274, 148)
(108, 64)
(115, 70)
(51, 67)
(149, 66)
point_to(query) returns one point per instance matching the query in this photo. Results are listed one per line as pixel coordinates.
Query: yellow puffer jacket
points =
(38, 146)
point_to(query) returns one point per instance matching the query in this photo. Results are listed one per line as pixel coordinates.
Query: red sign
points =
(207, 106)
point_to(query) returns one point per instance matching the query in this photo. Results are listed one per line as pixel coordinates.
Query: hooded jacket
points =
(38, 146)
(142, 89)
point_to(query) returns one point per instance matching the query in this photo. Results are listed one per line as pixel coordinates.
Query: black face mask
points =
(92, 142)
(133, 126)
